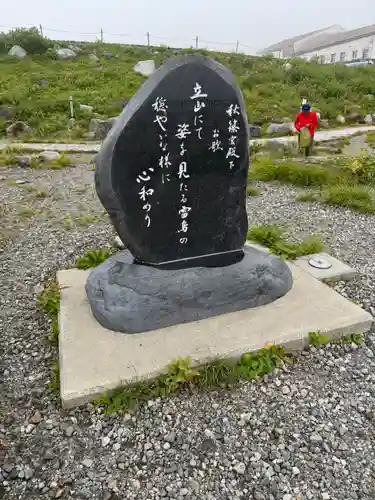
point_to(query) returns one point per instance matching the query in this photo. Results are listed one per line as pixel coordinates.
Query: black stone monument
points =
(172, 174)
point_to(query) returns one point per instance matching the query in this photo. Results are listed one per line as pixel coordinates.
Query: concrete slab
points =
(337, 272)
(94, 360)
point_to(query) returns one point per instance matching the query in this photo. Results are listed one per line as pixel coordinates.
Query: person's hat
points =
(306, 107)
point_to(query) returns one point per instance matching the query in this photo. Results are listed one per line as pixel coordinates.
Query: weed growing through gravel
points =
(49, 302)
(357, 197)
(93, 258)
(308, 196)
(272, 237)
(61, 162)
(266, 169)
(253, 191)
(182, 376)
(317, 339)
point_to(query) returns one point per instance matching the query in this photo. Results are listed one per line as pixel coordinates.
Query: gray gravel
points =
(307, 433)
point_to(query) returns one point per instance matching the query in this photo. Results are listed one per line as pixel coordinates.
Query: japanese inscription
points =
(179, 158)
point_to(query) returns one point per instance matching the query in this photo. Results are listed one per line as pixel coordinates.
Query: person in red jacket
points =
(306, 119)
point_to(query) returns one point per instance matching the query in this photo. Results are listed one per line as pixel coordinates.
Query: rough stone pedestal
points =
(133, 298)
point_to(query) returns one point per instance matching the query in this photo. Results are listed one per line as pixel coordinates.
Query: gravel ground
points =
(304, 433)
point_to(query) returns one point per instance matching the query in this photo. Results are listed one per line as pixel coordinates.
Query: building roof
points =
(287, 45)
(324, 41)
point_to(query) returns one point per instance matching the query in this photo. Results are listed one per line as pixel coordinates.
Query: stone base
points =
(337, 272)
(94, 360)
(133, 298)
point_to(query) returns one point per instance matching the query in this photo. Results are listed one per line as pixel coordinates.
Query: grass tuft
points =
(182, 376)
(253, 191)
(93, 258)
(272, 237)
(266, 169)
(356, 197)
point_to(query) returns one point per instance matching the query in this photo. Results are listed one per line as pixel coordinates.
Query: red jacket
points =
(309, 120)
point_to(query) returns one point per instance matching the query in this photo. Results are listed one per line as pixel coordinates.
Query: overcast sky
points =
(255, 24)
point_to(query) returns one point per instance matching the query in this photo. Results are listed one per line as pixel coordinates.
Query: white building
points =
(331, 45)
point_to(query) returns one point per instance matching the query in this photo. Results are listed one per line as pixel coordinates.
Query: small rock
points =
(170, 437)
(86, 107)
(23, 161)
(340, 119)
(316, 438)
(69, 431)
(118, 243)
(17, 129)
(368, 119)
(17, 52)
(145, 68)
(100, 128)
(28, 473)
(48, 454)
(285, 389)
(105, 441)
(240, 468)
(87, 462)
(43, 82)
(36, 418)
(280, 128)
(93, 58)
(66, 54)
(325, 496)
(166, 446)
(108, 55)
(48, 156)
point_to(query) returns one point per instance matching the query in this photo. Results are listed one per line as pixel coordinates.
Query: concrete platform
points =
(337, 272)
(94, 360)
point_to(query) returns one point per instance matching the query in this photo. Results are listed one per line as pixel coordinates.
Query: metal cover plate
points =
(319, 262)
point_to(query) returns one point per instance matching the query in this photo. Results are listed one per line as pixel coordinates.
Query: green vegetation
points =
(49, 302)
(93, 258)
(357, 197)
(182, 376)
(317, 339)
(370, 139)
(270, 92)
(61, 162)
(346, 182)
(272, 237)
(268, 169)
(253, 191)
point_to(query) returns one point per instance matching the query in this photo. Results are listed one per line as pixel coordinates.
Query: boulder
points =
(86, 107)
(254, 131)
(65, 54)
(280, 128)
(145, 68)
(368, 119)
(108, 55)
(49, 156)
(340, 119)
(17, 128)
(354, 117)
(100, 128)
(93, 58)
(17, 52)
(324, 123)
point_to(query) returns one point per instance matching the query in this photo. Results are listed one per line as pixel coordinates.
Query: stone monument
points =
(172, 175)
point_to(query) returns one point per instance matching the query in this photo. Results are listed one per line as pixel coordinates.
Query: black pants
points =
(308, 149)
